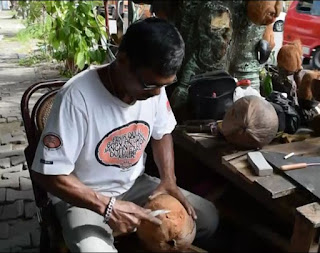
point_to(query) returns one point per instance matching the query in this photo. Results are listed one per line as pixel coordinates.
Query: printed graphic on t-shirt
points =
(169, 106)
(52, 141)
(123, 146)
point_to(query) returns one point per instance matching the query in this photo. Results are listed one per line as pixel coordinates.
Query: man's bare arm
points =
(71, 190)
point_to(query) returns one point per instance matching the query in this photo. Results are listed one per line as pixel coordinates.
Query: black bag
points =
(289, 119)
(211, 94)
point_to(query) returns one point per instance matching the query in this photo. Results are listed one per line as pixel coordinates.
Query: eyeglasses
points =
(152, 86)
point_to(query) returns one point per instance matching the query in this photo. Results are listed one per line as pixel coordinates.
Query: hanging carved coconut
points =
(289, 56)
(262, 12)
(306, 89)
(251, 122)
(177, 231)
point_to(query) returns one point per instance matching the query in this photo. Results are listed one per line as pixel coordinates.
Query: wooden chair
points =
(34, 120)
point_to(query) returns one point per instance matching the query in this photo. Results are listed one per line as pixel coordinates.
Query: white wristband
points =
(108, 211)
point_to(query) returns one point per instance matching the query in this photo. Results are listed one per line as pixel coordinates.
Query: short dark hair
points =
(154, 43)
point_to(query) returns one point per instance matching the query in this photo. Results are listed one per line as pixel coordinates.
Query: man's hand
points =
(126, 217)
(171, 188)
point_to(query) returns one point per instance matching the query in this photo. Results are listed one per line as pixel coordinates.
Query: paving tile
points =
(19, 147)
(23, 226)
(35, 238)
(14, 242)
(3, 192)
(12, 169)
(4, 230)
(17, 132)
(4, 148)
(22, 173)
(15, 249)
(13, 195)
(10, 183)
(6, 138)
(32, 250)
(30, 209)
(15, 160)
(12, 119)
(5, 163)
(12, 211)
(12, 152)
(25, 184)
(19, 139)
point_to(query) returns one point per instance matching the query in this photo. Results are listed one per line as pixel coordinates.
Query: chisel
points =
(296, 166)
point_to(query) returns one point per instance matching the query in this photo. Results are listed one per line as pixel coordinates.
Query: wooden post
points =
(107, 16)
(306, 224)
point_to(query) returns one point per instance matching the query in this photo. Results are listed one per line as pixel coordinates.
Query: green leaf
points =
(80, 61)
(89, 33)
(101, 20)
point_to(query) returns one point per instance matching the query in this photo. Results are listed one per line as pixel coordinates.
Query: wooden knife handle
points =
(294, 166)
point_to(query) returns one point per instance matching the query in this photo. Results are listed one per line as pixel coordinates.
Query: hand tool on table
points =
(296, 166)
(307, 178)
(292, 163)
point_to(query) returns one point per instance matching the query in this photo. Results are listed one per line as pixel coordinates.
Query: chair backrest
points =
(34, 120)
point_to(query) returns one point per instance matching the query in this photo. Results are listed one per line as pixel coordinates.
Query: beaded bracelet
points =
(107, 213)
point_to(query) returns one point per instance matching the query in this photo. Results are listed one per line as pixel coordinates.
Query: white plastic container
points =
(244, 89)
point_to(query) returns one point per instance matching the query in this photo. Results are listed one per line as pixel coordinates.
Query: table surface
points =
(215, 151)
(275, 192)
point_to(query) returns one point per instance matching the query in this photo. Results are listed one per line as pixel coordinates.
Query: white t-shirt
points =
(99, 138)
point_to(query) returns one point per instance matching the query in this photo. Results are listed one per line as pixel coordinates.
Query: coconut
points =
(263, 12)
(289, 56)
(177, 231)
(251, 122)
(308, 85)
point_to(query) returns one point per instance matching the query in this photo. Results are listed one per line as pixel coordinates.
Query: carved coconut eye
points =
(172, 243)
(272, 14)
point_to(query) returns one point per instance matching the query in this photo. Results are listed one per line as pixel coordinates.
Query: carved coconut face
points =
(289, 57)
(263, 12)
(215, 27)
(177, 231)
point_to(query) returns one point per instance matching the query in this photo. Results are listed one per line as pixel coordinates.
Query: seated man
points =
(91, 154)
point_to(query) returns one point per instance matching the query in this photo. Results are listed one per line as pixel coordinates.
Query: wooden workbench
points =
(283, 197)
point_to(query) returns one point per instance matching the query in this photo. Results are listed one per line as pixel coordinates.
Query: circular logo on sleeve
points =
(123, 146)
(52, 141)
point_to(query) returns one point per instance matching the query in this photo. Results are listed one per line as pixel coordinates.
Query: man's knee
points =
(208, 220)
(207, 213)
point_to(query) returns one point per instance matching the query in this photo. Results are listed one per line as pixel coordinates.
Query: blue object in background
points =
(4, 5)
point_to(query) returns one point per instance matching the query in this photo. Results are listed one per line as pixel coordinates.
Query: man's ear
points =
(122, 58)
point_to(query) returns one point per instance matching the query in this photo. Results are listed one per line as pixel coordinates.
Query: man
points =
(91, 154)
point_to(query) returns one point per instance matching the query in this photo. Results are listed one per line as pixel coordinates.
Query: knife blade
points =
(158, 212)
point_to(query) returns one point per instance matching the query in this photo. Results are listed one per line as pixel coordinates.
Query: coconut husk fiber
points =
(289, 56)
(269, 36)
(251, 122)
(177, 231)
(263, 12)
(308, 86)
